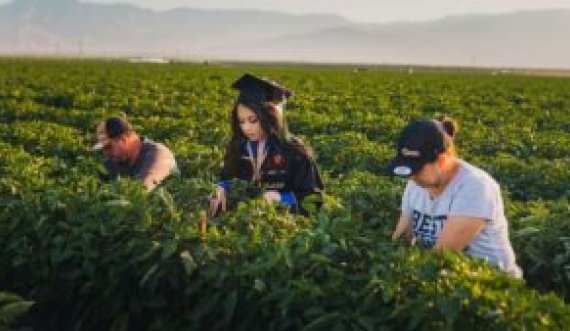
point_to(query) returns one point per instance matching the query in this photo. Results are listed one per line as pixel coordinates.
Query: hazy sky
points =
(360, 10)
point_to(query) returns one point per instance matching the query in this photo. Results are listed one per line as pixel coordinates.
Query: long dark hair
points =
(274, 127)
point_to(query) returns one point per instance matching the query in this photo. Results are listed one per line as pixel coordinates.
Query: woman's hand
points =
(272, 196)
(404, 227)
(217, 200)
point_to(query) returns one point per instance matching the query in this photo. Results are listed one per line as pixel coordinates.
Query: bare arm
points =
(458, 232)
(161, 167)
(404, 226)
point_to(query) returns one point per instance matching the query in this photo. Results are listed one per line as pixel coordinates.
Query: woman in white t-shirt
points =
(449, 204)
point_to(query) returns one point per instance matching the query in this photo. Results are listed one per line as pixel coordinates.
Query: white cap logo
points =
(402, 171)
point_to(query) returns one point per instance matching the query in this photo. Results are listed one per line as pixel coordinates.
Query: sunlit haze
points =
(359, 10)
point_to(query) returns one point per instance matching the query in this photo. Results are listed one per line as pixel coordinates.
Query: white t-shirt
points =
(471, 193)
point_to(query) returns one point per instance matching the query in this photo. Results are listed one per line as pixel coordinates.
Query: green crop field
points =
(95, 256)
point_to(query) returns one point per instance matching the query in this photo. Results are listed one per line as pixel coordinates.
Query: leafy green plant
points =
(98, 256)
(12, 306)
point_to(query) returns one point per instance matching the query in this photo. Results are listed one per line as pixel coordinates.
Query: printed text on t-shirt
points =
(427, 227)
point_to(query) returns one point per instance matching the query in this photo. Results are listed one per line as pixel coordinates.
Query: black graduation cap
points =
(255, 90)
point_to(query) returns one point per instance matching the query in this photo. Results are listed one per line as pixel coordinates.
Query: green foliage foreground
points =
(11, 307)
(119, 258)
(98, 256)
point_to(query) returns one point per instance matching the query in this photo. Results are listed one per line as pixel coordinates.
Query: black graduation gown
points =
(285, 169)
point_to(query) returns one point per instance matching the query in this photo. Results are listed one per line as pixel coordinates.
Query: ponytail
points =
(450, 126)
(450, 129)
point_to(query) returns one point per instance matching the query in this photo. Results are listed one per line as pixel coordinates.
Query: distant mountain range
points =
(68, 27)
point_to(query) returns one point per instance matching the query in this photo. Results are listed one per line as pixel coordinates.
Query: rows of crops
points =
(96, 256)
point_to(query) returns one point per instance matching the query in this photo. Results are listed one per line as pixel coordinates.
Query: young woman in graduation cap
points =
(263, 152)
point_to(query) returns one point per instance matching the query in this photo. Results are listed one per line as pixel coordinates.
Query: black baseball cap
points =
(111, 128)
(255, 90)
(420, 142)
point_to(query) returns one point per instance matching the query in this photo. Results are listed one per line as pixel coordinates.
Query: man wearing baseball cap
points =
(127, 154)
(449, 204)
